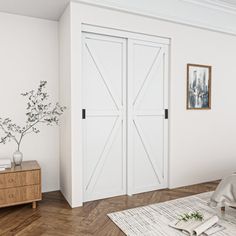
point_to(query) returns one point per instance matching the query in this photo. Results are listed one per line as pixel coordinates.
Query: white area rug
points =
(153, 220)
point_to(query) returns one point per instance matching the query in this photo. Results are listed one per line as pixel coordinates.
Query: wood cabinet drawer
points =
(20, 194)
(17, 179)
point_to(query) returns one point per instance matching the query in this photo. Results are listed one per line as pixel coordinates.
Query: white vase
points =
(17, 158)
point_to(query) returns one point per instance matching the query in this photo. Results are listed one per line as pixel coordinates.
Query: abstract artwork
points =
(198, 86)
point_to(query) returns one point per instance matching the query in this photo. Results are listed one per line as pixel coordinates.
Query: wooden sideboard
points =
(21, 184)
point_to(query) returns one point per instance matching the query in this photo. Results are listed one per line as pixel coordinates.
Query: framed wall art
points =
(198, 87)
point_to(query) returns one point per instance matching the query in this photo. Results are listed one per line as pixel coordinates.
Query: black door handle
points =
(83, 114)
(166, 113)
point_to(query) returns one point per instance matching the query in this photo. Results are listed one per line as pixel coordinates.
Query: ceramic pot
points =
(17, 158)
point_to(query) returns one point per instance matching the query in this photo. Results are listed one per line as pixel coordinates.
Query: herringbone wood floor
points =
(54, 216)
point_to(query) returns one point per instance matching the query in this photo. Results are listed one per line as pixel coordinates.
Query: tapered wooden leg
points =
(34, 205)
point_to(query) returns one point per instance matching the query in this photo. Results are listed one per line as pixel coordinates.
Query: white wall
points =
(70, 87)
(209, 14)
(202, 146)
(28, 54)
(65, 98)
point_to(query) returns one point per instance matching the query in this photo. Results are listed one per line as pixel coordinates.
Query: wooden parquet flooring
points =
(54, 217)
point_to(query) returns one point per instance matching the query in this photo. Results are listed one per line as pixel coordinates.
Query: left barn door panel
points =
(104, 129)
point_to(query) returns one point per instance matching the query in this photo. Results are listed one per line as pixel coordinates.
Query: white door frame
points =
(87, 28)
(124, 34)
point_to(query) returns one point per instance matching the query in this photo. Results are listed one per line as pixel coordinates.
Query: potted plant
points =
(38, 111)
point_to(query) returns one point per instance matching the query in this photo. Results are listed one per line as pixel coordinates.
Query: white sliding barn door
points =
(104, 132)
(125, 130)
(147, 126)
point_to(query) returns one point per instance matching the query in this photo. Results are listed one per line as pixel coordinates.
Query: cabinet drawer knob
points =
(11, 195)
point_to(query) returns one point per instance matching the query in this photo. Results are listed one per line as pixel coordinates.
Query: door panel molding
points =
(102, 73)
(144, 85)
(102, 159)
(148, 151)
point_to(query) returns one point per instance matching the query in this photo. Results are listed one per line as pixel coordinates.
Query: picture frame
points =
(198, 87)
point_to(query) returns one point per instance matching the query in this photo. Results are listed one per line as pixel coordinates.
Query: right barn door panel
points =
(147, 124)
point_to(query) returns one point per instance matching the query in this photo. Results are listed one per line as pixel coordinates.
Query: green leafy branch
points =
(196, 215)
